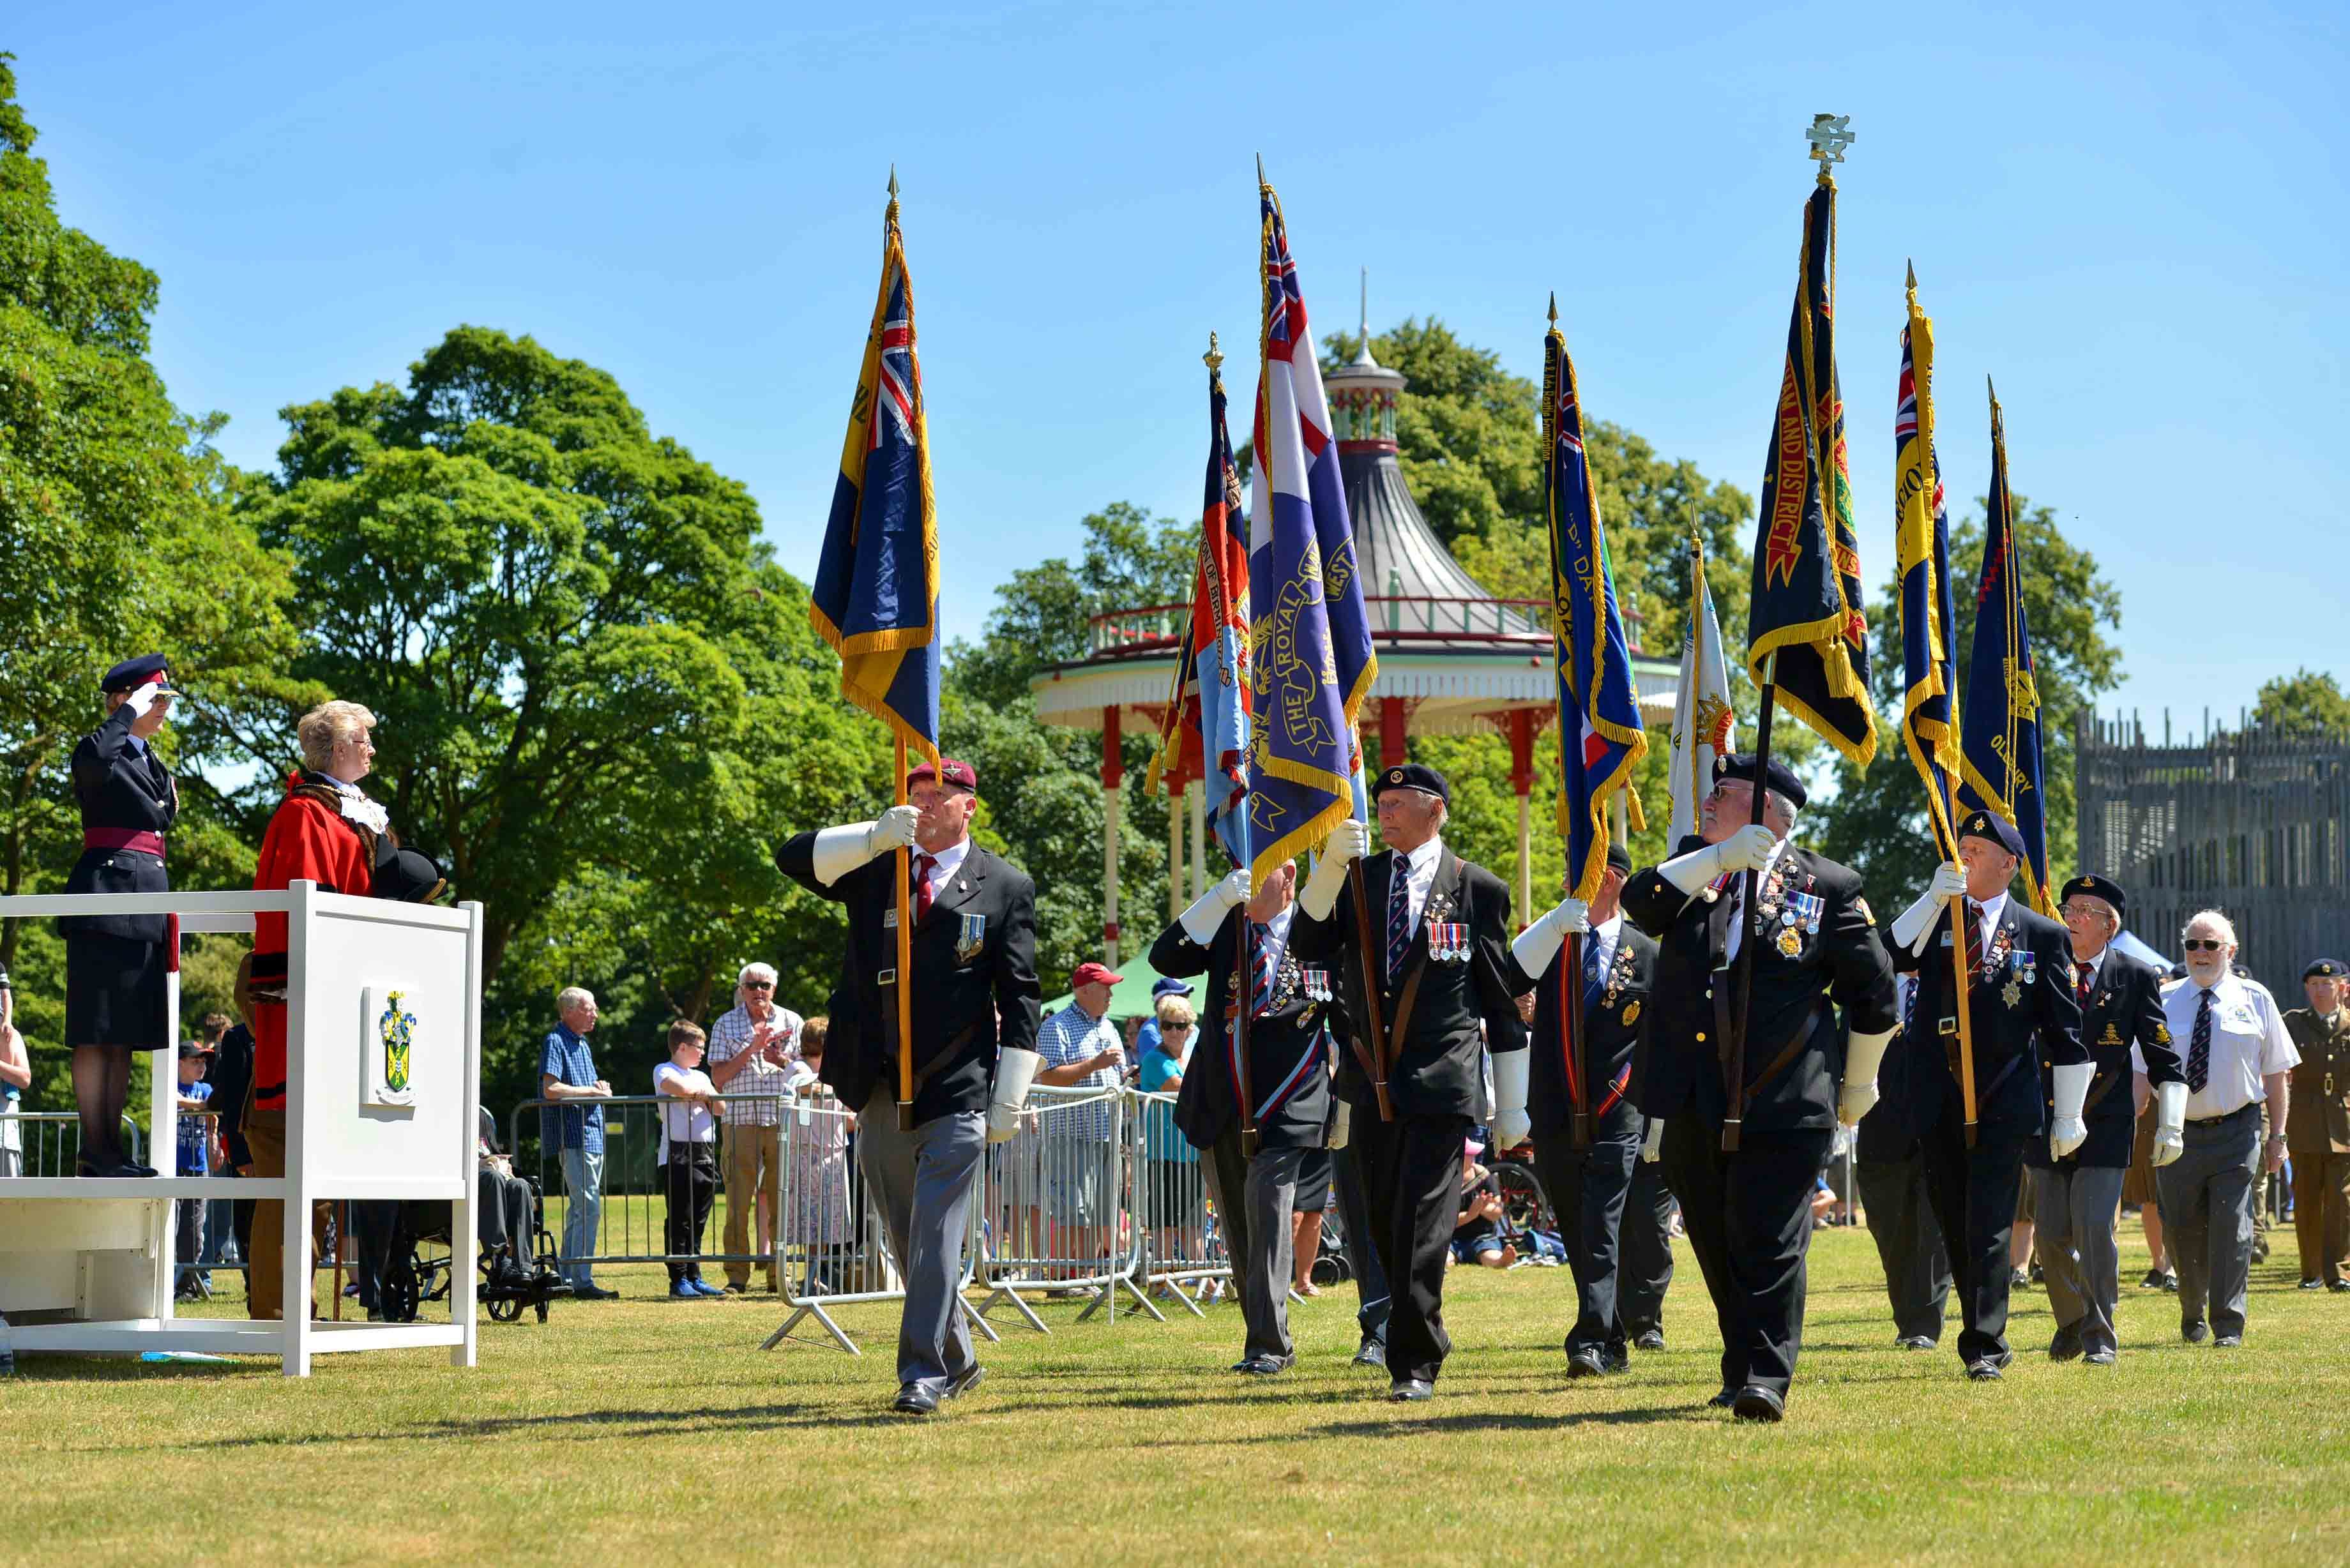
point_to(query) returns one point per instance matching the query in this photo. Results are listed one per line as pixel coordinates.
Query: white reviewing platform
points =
(356, 1126)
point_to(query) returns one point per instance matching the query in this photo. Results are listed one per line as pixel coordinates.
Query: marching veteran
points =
(115, 964)
(1253, 962)
(974, 998)
(1442, 987)
(2320, 1129)
(1748, 1213)
(2079, 1196)
(2025, 1015)
(2238, 1057)
(1586, 1148)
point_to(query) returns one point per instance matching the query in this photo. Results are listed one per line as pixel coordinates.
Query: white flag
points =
(1703, 725)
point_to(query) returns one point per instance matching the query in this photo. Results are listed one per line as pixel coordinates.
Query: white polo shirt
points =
(2248, 1042)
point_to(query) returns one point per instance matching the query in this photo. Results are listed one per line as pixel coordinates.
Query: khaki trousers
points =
(264, 1274)
(751, 1170)
(2321, 1211)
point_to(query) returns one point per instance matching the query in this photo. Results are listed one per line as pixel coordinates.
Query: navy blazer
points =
(2025, 1015)
(1289, 1047)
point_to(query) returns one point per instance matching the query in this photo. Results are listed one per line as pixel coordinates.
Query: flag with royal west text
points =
(1921, 533)
(2002, 750)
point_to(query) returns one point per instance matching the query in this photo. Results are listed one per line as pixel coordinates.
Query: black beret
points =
(1981, 823)
(405, 876)
(2326, 969)
(132, 673)
(1412, 775)
(2097, 886)
(1778, 778)
(1619, 859)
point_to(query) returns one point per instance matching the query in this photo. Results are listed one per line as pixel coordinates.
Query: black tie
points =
(2199, 1052)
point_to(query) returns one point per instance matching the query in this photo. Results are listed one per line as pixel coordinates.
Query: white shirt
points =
(944, 865)
(2248, 1042)
(1419, 876)
(1992, 909)
(680, 1122)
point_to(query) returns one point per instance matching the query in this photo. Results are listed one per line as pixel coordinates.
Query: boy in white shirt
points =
(689, 1157)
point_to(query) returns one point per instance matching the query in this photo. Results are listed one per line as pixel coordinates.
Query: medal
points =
(971, 936)
(2012, 994)
(1786, 916)
(1790, 943)
(1632, 1012)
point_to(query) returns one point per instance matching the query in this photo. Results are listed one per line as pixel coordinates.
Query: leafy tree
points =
(2306, 702)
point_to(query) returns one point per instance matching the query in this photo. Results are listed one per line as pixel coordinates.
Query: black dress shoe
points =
(1756, 1403)
(1585, 1364)
(1410, 1390)
(2066, 1345)
(2311, 1284)
(1650, 1339)
(2228, 1342)
(1372, 1353)
(1982, 1369)
(967, 1380)
(914, 1400)
(2098, 1357)
(2170, 1280)
(2337, 1287)
(112, 1172)
(2194, 1332)
(2153, 1280)
(1724, 1400)
(1266, 1366)
(1915, 1342)
(1617, 1359)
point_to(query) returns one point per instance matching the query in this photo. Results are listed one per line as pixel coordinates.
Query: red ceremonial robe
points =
(305, 840)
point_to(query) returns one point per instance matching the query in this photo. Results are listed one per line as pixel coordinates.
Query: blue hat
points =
(2326, 969)
(132, 673)
(2096, 886)
(1981, 823)
(1170, 986)
(1778, 778)
(1412, 775)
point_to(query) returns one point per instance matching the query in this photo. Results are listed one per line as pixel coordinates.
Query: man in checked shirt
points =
(750, 1049)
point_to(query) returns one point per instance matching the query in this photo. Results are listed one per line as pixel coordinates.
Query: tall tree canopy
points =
(2307, 701)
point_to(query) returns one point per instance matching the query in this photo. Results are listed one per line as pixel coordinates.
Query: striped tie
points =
(2084, 976)
(2199, 1052)
(1398, 916)
(1261, 968)
(1591, 972)
(1975, 938)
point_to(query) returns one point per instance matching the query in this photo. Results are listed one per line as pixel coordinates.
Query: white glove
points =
(1652, 1148)
(1348, 842)
(840, 850)
(1857, 1095)
(1917, 922)
(1015, 1071)
(2169, 1122)
(1539, 943)
(2066, 1130)
(145, 697)
(1512, 1126)
(1201, 921)
(1339, 1127)
(1748, 849)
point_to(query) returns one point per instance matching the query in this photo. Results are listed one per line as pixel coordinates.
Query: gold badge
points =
(1632, 1012)
(2012, 994)
(2162, 1034)
(1790, 943)
(1866, 918)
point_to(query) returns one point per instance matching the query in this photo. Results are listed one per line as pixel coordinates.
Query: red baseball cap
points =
(1092, 973)
(947, 770)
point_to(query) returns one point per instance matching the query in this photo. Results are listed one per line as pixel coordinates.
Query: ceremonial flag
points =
(1212, 674)
(2002, 755)
(1310, 638)
(1600, 740)
(1704, 725)
(875, 597)
(1921, 530)
(1807, 602)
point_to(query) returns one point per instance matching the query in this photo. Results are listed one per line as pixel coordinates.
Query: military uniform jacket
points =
(2025, 1016)
(1816, 949)
(2317, 1117)
(1289, 1047)
(1437, 1070)
(974, 983)
(124, 788)
(1613, 1024)
(2124, 1009)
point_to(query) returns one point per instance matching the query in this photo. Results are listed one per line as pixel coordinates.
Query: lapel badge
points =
(971, 936)
(1632, 1011)
(890, 918)
(1790, 943)
(2113, 1035)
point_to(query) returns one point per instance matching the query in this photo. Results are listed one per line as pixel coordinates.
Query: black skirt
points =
(114, 993)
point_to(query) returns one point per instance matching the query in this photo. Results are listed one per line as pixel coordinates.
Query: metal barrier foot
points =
(986, 1328)
(821, 1316)
(1007, 1294)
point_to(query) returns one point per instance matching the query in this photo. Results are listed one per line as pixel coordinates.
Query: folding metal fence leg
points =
(817, 1312)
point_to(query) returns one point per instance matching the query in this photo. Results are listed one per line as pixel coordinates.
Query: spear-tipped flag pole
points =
(1808, 638)
(1600, 733)
(1307, 621)
(1704, 725)
(2002, 769)
(876, 595)
(1211, 700)
(1929, 720)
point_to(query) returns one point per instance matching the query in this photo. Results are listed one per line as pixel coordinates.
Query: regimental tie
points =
(1952, 1042)
(924, 864)
(1259, 969)
(1398, 916)
(2085, 975)
(1591, 971)
(2199, 1052)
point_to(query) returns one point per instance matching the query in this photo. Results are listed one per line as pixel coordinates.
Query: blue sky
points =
(2132, 216)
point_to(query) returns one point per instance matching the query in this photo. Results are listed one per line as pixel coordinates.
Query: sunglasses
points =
(758, 985)
(2202, 944)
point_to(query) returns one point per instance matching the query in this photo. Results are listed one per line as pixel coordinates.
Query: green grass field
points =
(644, 1430)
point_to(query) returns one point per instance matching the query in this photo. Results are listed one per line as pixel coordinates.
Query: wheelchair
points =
(423, 1258)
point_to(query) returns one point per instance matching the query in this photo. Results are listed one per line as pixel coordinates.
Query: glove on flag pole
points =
(1806, 637)
(875, 597)
(1313, 664)
(1212, 699)
(2001, 766)
(1930, 726)
(1600, 740)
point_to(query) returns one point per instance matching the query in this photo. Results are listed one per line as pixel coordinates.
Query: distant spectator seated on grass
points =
(689, 1157)
(1477, 1235)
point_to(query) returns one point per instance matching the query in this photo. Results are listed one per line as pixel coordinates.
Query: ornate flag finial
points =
(1830, 134)
(1214, 358)
(1554, 307)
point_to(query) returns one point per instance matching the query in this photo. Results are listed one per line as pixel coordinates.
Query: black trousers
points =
(1749, 1218)
(503, 1216)
(690, 1182)
(1587, 1187)
(1362, 1250)
(1974, 1193)
(1908, 1243)
(1411, 1178)
(375, 1230)
(1645, 1271)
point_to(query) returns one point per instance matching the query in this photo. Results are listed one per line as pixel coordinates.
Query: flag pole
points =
(903, 984)
(1244, 943)
(1736, 1044)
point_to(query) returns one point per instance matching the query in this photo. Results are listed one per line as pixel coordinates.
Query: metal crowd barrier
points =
(1182, 1243)
(49, 1142)
(1057, 1207)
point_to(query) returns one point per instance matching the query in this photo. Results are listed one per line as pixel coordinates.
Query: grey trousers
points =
(1265, 1289)
(2074, 1239)
(2207, 1218)
(923, 1181)
(1908, 1243)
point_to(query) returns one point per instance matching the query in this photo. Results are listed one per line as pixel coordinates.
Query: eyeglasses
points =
(758, 985)
(2202, 944)
(2081, 912)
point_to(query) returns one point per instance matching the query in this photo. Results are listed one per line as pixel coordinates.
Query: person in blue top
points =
(197, 1135)
(1147, 1038)
(1164, 1041)
(566, 1071)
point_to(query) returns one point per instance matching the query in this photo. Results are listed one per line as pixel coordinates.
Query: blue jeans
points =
(583, 1207)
